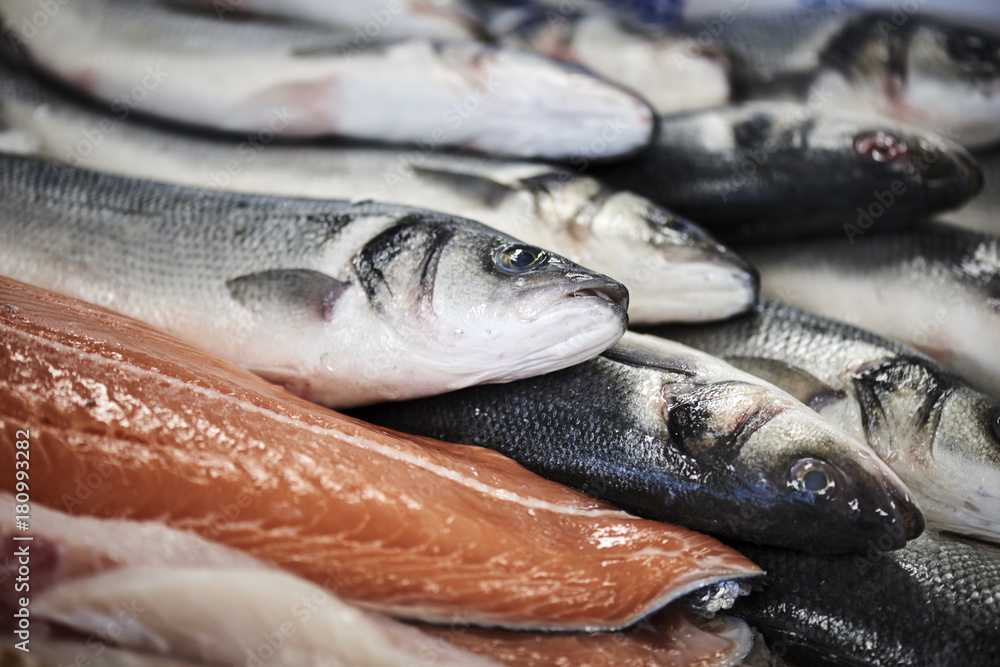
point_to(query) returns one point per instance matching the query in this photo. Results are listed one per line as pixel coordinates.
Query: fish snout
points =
(909, 514)
(600, 287)
(951, 180)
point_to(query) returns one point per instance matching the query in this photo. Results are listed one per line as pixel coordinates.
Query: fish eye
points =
(813, 476)
(520, 258)
(975, 51)
(880, 146)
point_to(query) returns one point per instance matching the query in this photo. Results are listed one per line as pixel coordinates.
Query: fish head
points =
(952, 80)
(674, 270)
(941, 436)
(895, 170)
(794, 479)
(483, 306)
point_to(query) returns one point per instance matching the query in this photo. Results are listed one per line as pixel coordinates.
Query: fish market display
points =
(903, 64)
(673, 271)
(935, 288)
(343, 303)
(935, 602)
(669, 70)
(126, 422)
(938, 434)
(667, 432)
(767, 170)
(368, 20)
(255, 75)
(672, 638)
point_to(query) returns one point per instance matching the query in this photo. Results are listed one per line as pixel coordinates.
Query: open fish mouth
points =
(615, 293)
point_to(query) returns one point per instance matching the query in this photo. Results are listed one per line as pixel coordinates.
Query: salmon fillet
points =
(126, 422)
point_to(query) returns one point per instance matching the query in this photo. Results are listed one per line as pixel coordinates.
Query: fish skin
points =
(738, 170)
(344, 303)
(920, 70)
(249, 76)
(616, 233)
(675, 435)
(948, 279)
(413, 527)
(937, 433)
(934, 602)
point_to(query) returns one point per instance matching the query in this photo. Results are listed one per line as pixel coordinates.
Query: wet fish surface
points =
(764, 170)
(982, 213)
(937, 433)
(933, 287)
(921, 70)
(934, 602)
(127, 422)
(663, 431)
(616, 233)
(344, 303)
(249, 75)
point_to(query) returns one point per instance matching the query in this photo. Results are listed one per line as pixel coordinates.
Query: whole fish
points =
(343, 303)
(256, 75)
(669, 433)
(934, 287)
(935, 602)
(670, 70)
(918, 69)
(766, 170)
(368, 19)
(673, 270)
(938, 434)
(121, 421)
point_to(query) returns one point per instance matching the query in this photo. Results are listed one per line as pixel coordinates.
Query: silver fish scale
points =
(121, 226)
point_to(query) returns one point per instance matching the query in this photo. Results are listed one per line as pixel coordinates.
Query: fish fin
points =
(282, 290)
(633, 354)
(489, 191)
(801, 384)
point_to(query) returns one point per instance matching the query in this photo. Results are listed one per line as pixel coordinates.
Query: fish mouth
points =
(615, 293)
(909, 514)
(950, 183)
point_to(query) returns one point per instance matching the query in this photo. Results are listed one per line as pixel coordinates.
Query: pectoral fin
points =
(793, 380)
(487, 190)
(288, 292)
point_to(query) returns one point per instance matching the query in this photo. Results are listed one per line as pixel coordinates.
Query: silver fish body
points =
(934, 602)
(672, 434)
(763, 170)
(934, 287)
(344, 303)
(253, 75)
(937, 433)
(673, 270)
(920, 70)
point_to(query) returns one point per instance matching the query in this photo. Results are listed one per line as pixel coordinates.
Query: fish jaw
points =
(675, 271)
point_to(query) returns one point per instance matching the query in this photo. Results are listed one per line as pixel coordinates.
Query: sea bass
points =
(670, 70)
(766, 170)
(940, 436)
(982, 213)
(254, 75)
(674, 271)
(935, 602)
(124, 421)
(343, 303)
(669, 433)
(935, 288)
(920, 70)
